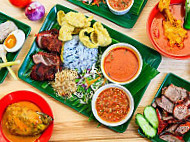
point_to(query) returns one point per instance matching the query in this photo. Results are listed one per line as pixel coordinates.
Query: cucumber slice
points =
(148, 130)
(151, 116)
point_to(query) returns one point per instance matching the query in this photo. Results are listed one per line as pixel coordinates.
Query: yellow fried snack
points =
(77, 23)
(77, 20)
(76, 31)
(60, 17)
(88, 22)
(102, 35)
(85, 39)
(94, 37)
(65, 33)
(61, 55)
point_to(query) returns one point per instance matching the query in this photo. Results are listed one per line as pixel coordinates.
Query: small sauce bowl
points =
(119, 12)
(133, 50)
(130, 99)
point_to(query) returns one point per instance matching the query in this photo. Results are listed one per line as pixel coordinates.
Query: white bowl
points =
(119, 12)
(129, 47)
(131, 102)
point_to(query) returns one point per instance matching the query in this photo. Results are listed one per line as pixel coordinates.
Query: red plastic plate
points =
(18, 96)
(153, 13)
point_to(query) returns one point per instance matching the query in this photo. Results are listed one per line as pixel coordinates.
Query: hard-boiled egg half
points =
(14, 41)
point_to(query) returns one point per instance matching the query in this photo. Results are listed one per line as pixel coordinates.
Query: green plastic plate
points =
(150, 56)
(170, 79)
(12, 56)
(128, 20)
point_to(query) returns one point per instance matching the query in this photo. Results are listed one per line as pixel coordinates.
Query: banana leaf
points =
(150, 57)
(12, 56)
(128, 20)
(136, 8)
(147, 74)
(177, 81)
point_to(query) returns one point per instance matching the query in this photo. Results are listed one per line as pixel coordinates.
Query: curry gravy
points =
(121, 64)
(14, 138)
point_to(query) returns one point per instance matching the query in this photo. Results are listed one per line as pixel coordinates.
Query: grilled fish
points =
(23, 121)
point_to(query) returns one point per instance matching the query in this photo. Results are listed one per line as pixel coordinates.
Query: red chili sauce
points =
(112, 105)
(120, 4)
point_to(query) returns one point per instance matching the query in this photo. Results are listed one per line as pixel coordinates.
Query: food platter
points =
(164, 49)
(128, 20)
(150, 57)
(20, 96)
(12, 56)
(95, 70)
(177, 81)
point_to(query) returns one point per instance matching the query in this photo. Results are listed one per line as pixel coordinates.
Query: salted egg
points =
(14, 41)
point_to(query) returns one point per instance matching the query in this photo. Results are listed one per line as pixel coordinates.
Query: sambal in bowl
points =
(112, 105)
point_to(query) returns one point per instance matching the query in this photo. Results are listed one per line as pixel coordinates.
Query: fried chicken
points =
(173, 29)
(23, 121)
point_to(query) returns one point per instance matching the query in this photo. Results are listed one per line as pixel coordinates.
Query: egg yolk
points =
(10, 41)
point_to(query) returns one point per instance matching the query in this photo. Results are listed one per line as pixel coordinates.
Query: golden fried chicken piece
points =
(23, 121)
(164, 7)
(163, 4)
(173, 29)
(175, 34)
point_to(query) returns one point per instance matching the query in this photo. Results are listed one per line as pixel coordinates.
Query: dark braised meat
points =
(46, 66)
(165, 104)
(187, 103)
(183, 128)
(154, 105)
(167, 118)
(181, 112)
(175, 94)
(173, 113)
(47, 59)
(48, 40)
(171, 138)
(161, 125)
(40, 72)
(171, 129)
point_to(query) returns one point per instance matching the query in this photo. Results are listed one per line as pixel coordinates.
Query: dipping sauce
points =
(120, 4)
(14, 138)
(121, 64)
(112, 105)
(157, 32)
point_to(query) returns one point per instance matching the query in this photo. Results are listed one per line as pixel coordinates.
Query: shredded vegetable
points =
(93, 2)
(88, 82)
(7, 64)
